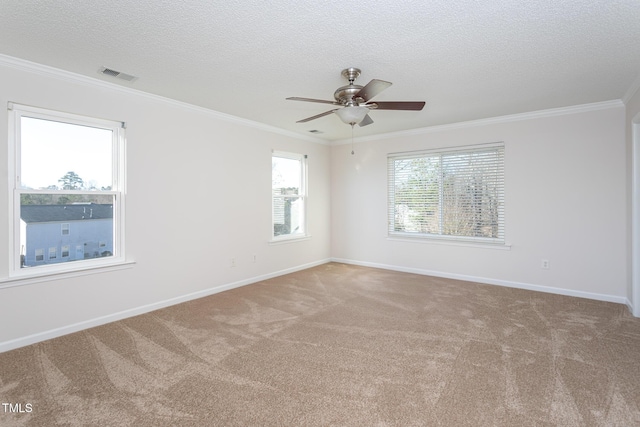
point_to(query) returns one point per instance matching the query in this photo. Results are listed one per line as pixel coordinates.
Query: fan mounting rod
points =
(351, 74)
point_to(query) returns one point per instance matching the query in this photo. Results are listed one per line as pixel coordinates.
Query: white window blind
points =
(453, 194)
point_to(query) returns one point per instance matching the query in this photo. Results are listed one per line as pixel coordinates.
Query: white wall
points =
(565, 177)
(633, 156)
(198, 195)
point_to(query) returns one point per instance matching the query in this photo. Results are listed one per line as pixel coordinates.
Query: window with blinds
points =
(453, 194)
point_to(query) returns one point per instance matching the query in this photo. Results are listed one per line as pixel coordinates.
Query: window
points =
(66, 173)
(455, 194)
(288, 188)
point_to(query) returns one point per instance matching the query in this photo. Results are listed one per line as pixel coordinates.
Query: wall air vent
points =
(117, 74)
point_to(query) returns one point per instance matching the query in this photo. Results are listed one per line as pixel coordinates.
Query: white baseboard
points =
(64, 330)
(484, 280)
(630, 307)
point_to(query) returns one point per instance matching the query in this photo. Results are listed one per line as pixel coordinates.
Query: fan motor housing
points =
(345, 94)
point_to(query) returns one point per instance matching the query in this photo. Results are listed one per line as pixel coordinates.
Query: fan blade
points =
(317, 116)
(372, 88)
(322, 101)
(391, 105)
(366, 121)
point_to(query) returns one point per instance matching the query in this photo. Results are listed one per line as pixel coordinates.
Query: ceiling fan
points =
(355, 101)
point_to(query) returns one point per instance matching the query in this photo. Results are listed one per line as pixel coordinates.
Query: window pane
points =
(472, 194)
(288, 194)
(64, 156)
(286, 175)
(288, 215)
(417, 198)
(87, 221)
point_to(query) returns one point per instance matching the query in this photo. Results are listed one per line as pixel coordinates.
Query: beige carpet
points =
(340, 345)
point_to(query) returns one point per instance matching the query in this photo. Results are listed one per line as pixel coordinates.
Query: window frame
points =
(303, 195)
(117, 191)
(440, 237)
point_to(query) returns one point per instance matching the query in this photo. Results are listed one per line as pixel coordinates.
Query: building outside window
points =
(288, 189)
(67, 180)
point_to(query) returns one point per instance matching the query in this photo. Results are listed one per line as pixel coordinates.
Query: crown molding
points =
(52, 72)
(552, 112)
(633, 89)
(68, 76)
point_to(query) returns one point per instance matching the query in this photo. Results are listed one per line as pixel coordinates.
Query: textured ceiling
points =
(468, 59)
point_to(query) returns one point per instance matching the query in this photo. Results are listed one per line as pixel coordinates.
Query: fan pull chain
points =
(352, 152)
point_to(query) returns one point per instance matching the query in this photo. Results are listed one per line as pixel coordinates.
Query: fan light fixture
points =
(352, 115)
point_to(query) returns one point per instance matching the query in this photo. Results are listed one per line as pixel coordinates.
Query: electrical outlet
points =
(233, 262)
(544, 264)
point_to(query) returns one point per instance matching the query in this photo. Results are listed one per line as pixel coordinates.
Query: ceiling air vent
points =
(117, 74)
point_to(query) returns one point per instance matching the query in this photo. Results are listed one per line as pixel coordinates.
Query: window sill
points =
(289, 239)
(449, 242)
(31, 277)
